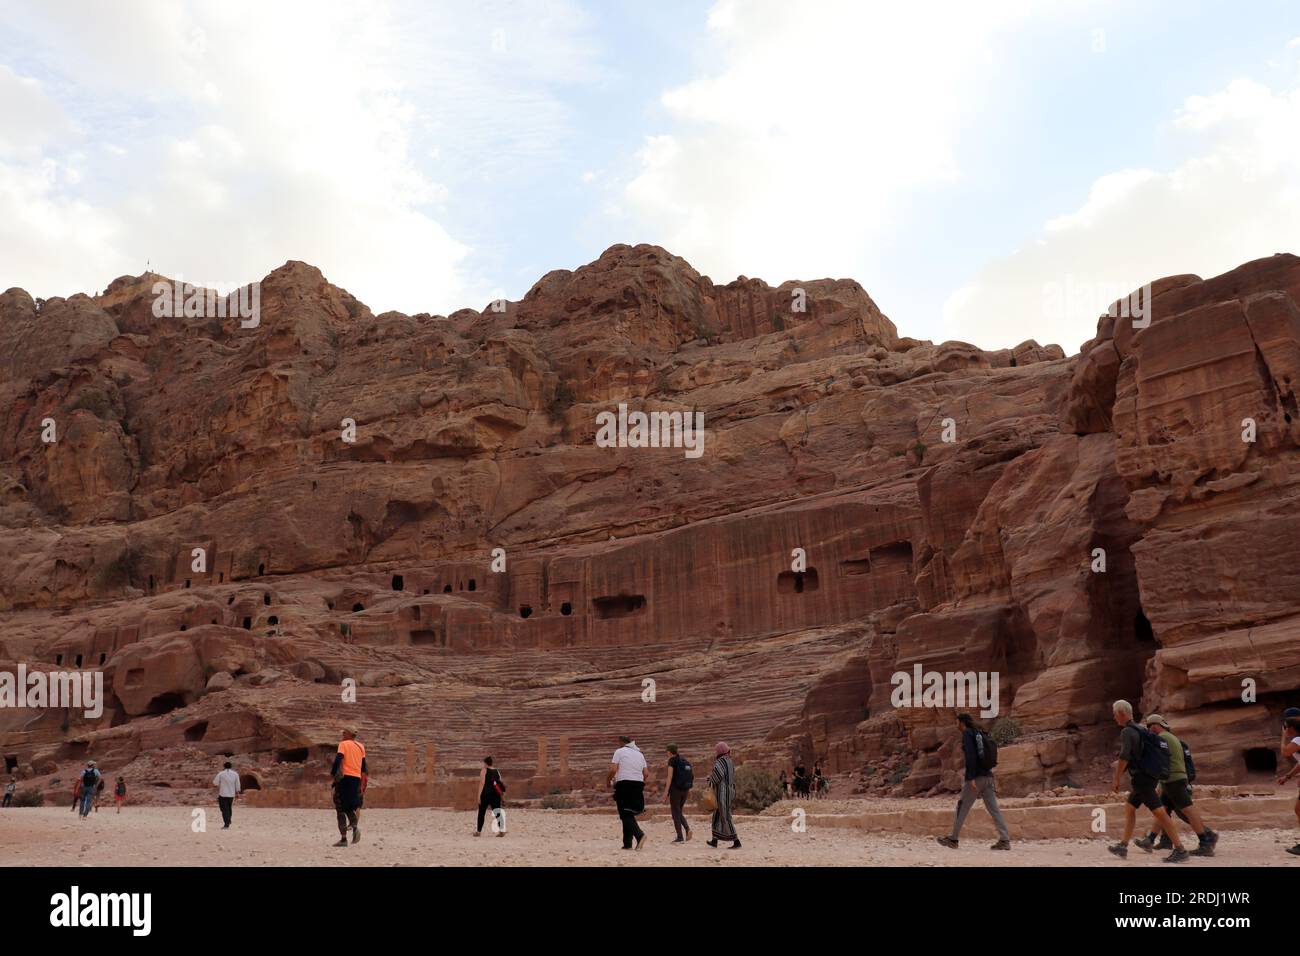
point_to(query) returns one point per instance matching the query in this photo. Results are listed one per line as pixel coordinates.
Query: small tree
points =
(1004, 731)
(756, 788)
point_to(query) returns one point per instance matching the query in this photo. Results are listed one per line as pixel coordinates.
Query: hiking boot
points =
(1119, 849)
(1178, 856)
(1165, 843)
(1295, 850)
(947, 841)
(342, 842)
(1147, 842)
(714, 843)
(1210, 837)
(1205, 849)
(1001, 845)
(356, 834)
(679, 840)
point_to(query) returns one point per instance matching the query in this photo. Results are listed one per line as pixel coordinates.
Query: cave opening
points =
(446, 589)
(102, 658)
(266, 599)
(58, 658)
(1261, 760)
(273, 620)
(248, 623)
(566, 608)
(11, 762)
(261, 569)
(526, 611)
(248, 781)
(187, 582)
(1142, 629)
(619, 605)
(196, 732)
(78, 664)
(358, 608)
(291, 755)
(398, 582)
(797, 582)
(165, 703)
(472, 585)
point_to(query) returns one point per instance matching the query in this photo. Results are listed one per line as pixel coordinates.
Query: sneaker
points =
(736, 845)
(356, 834)
(501, 833)
(688, 834)
(679, 840)
(1211, 837)
(947, 841)
(1165, 843)
(1001, 845)
(714, 843)
(1119, 849)
(1205, 849)
(1295, 850)
(1178, 856)
(342, 842)
(1147, 843)
(640, 841)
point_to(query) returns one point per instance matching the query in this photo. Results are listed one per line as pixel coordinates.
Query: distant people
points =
(1146, 758)
(819, 784)
(800, 781)
(978, 753)
(1291, 748)
(1176, 793)
(228, 787)
(723, 781)
(490, 791)
(349, 765)
(784, 781)
(627, 774)
(681, 778)
(119, 793)
(89, 781)
(10, 787)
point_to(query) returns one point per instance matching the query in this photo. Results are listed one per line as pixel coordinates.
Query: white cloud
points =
(1236, 199)
(794, 156)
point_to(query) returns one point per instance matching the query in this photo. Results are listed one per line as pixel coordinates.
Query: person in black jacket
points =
(978, 783)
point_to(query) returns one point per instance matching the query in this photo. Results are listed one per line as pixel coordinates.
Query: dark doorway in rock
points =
(261, 569)
(266, 599)
(221, 577)
(397, 582)
(248, 781)
(273, 620)
(566, 608)
(292, 755)
(415, 612)
(78, 664)
(425, 637)
(525, 611)
(196, 732)
(248, 623)
(187, 582)
(165, 703)
(1142, 629)
(619, 605)
(102, 659)
(1261, 760)
(797, 582)
(472, 585)
(231, 599)
(446, 589)
(358, 608)
(151, 582)
(58, 658)
(183, 626)
(1013, 363)
(11, 763)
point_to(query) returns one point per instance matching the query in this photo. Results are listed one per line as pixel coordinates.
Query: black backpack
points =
(88, 777)
(1187, 759)
(986, 751)
(1154, 758)
(683, 774)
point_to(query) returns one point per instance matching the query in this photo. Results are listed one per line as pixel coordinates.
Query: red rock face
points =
(950, 505)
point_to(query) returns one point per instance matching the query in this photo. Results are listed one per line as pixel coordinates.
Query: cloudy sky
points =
(990, 172)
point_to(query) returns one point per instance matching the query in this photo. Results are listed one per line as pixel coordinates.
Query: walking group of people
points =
(627, 776)
(88, 790)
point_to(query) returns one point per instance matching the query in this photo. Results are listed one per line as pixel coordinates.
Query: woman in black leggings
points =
(490, 791)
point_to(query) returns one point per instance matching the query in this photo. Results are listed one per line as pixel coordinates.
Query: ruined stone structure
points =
(329, 563)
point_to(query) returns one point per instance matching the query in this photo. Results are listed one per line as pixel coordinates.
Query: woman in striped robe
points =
(723, 782)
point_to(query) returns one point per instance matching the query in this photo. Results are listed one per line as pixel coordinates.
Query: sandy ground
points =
(162, 836)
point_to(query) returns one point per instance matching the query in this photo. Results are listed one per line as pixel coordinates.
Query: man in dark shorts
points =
(1176, 795)
(1142, 786)
(349, 766)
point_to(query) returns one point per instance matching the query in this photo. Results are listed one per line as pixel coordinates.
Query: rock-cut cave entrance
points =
(797, 582)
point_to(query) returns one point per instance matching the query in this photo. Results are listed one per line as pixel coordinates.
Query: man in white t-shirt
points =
(1291, 749)
(227, 784)
(627, 774)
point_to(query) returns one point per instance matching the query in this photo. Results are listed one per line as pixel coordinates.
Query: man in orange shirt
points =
(349, 765)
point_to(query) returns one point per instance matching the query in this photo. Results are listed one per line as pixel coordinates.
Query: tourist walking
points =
(228, 787)
(491, 789)
(119, 793)
(1291, 749)
(1176, 793)
(89, 781)
(723, 781)
(980, 755)
(627, 774)
(10, 787)
(349, 765)
(681, 778)
(1146, 758)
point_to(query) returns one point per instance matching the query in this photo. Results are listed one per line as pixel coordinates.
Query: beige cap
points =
(1156, 719)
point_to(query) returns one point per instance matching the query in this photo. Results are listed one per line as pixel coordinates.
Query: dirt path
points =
(162, 836)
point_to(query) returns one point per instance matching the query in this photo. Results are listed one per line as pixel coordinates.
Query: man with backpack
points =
(981, 756)
(89, 781)
(1146, 758)
(680, 780)
(1176, 793)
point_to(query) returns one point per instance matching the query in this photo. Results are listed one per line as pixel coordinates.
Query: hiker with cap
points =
(1291, 751)
(228, 787)
(349, 765)
(723, 781)
(980, 754)
(681, 777)
(90, 778)
(1176, 793)
(627, 774)
(1146, 758)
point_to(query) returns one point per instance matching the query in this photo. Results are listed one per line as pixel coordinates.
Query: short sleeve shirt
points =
(631, 764)
(353, 753)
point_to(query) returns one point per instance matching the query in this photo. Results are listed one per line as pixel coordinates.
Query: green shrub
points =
(557, 801)
(29, 797)
(1004, 731)
(756, 788)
